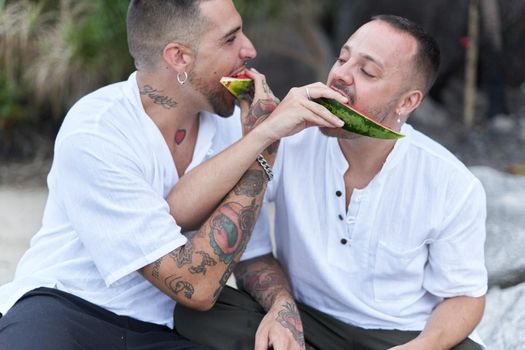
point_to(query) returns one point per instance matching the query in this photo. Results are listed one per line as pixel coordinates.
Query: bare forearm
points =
(451, 322)
(195, 273)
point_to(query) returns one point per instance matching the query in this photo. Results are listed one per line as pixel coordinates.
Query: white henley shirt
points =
(106, 215)
(413, 236)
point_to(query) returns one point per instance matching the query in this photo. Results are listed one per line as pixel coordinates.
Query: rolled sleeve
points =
(121, 220)
(456, 265)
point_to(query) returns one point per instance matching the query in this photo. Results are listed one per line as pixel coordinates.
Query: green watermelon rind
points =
(356, 122)
(238, 87)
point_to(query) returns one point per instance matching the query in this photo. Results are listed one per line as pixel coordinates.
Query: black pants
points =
(231, 325)
(48, 319)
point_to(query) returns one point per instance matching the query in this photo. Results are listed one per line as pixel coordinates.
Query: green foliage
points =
(54, 51)
(12, 108)
(260, 10)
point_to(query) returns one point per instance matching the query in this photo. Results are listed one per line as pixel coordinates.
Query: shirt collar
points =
(397, 154)
(400, 149)
(207, 126)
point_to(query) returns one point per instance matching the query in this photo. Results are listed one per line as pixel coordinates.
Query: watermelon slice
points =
(356, 122)
(238, 86)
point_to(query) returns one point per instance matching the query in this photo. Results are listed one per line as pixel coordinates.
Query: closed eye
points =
(367, 73)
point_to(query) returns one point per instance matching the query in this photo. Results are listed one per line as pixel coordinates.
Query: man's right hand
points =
(297, 111)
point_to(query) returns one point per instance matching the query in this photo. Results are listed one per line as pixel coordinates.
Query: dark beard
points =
(218, 98)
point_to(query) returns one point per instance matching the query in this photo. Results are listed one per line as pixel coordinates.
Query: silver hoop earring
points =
(182, 81)
(399, 120)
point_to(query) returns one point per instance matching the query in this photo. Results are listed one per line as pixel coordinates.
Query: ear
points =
(178, 57)
(409, 102)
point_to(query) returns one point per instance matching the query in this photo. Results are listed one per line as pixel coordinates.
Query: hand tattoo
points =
(258, 111)
(290, 319)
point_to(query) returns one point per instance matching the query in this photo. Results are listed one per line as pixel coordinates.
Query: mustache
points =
(345, 90)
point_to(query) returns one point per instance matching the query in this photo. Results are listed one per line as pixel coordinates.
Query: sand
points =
(21, 212)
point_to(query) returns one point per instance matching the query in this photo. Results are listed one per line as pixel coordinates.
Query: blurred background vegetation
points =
(54, 51)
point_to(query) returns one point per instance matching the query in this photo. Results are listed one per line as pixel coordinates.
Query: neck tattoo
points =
(154, 94)
(180, 135)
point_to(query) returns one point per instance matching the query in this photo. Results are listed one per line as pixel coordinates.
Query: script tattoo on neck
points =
(154, 94)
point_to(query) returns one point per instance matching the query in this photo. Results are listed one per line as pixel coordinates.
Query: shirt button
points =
(343, 241)
(341, 217)
(338, 193)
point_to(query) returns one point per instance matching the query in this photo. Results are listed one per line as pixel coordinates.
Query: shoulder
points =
(436, 158)
(433, 166)
(111, 111)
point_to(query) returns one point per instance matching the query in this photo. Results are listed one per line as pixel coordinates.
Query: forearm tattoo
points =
(156, 267)
(184, 255)
(264, 284)
(176, 285)
(207, 260)
(251, 184)
(230, 229)
(290, 319)
(222, 282)
(165, 101)
(273, 147)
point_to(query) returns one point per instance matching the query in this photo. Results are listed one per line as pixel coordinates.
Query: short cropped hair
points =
(152, 24)
(428, 57)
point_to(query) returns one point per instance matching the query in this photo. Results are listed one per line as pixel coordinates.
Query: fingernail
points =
(255, 70)
(340, 123)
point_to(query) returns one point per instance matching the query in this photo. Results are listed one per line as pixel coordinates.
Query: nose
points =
(342, 73)
(248, 51)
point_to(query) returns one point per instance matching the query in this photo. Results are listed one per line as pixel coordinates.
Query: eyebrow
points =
(365, 56)
(231, 32)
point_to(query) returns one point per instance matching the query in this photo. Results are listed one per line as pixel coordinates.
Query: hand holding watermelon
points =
(354, 121)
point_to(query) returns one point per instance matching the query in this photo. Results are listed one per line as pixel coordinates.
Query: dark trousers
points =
(48, 319)
(231, 325)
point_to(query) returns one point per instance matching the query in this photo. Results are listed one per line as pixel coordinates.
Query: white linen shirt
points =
(413, 236)
(106, 215)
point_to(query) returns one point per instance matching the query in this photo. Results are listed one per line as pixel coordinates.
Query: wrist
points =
(264, 135)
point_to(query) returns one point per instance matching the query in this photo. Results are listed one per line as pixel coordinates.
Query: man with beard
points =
(112, 257)
(382, 240)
